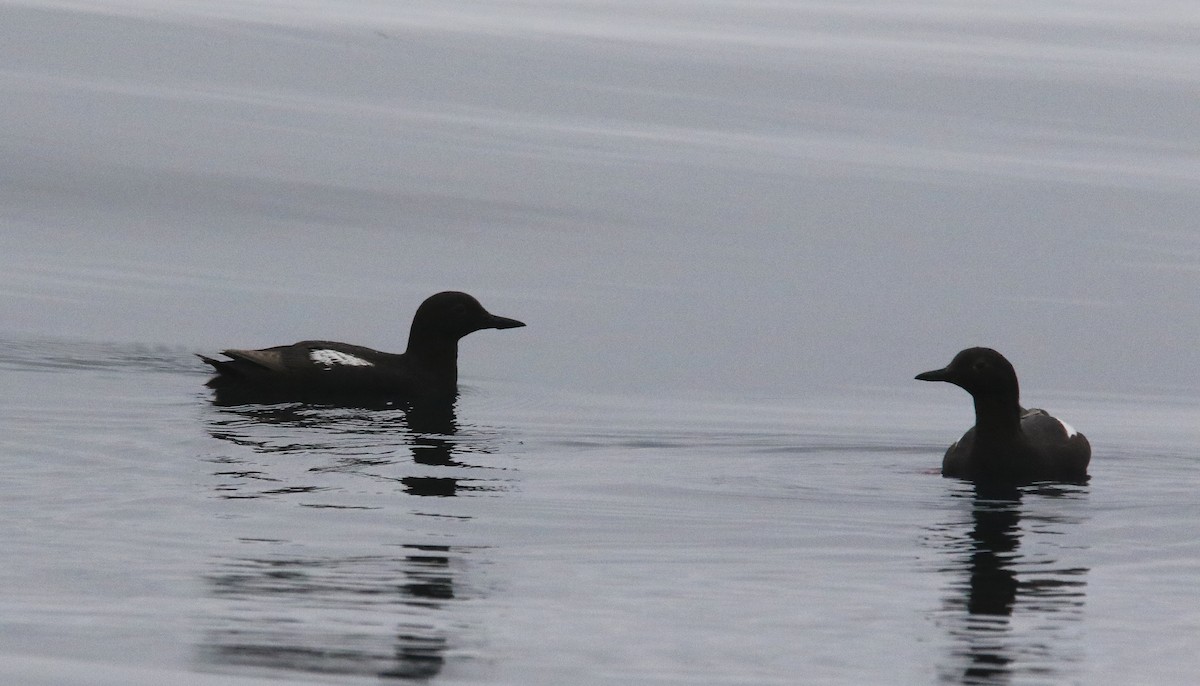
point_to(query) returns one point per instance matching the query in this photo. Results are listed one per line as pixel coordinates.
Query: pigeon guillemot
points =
(1008, 442)
(325, 371)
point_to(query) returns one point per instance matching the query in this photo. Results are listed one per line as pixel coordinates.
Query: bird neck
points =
(434, 352)
(997, 415)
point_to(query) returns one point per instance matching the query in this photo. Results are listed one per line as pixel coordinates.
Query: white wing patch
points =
(1070, 429)
(329, 358)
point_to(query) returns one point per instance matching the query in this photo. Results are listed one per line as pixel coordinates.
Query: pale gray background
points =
(758, 198)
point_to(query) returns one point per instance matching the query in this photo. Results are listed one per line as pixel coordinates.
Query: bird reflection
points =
(431, 424)
(347, 440)
(356, 613)
(290, 613)
(1001, 582)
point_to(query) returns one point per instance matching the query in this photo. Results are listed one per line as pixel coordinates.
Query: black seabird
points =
(1008, 443)
(331, 372)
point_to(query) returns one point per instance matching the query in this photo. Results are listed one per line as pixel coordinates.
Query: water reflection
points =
(1004, 575)
(364, 616)
(319, 593)
(341, 443)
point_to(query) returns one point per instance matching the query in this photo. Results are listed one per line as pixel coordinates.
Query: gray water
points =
(736, 231)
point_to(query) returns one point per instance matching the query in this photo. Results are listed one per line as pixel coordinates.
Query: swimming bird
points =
(1008, 443)
(327, 371)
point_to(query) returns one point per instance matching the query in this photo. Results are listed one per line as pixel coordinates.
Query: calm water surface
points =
(529, 536)
(736, 231)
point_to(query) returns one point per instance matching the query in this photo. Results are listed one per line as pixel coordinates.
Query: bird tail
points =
(218, 365)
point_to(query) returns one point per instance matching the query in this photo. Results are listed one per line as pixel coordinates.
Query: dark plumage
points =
(1008, 443)
(326, 371)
